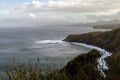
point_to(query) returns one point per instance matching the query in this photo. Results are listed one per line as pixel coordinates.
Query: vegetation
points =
(109, 40)
(80, 68)
(30, 72)
(83, 67)
(114, 68)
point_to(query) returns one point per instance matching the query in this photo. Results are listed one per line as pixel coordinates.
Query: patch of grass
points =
(109, 40)
(114, 68)
(29, 72)
(83, 67)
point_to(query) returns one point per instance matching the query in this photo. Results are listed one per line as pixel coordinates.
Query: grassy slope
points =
(110, 41)
(114, 68)
(82, 67)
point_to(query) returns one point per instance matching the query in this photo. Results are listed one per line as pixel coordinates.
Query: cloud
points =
(32, 15)
(76, 5)
(58, 12)
(105, 16)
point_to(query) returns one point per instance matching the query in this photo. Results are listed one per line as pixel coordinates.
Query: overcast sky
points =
(54, 12)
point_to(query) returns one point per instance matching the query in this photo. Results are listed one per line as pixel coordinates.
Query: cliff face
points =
(109, 40)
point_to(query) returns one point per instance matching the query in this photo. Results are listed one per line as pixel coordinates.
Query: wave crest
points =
(50, 42)
(102, 63)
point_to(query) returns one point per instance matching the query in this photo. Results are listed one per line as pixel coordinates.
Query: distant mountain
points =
(107, 26)
(112, 24)
(114, 21)
(101, 24)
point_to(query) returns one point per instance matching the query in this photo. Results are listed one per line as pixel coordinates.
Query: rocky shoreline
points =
(101, 60)
(110, 41)
(84, 66)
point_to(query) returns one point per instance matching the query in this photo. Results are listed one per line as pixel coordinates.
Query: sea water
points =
(27, 44)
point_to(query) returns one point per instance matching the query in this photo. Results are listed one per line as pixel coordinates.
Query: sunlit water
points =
(28, 44)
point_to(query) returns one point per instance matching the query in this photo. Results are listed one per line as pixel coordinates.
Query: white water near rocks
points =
(102, 63)
(22, 45)
(104, 54)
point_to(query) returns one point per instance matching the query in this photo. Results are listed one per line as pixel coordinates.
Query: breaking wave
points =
(50, 42)
(102, 63)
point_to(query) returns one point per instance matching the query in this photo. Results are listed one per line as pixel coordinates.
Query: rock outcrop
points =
(109, 40)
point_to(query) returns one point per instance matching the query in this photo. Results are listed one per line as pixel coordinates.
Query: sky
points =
(56, 12)
(18, 1)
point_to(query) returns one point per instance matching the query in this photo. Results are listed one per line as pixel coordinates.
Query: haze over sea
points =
(28, 44)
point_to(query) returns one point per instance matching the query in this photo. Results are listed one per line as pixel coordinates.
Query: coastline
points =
(109, 41)
(98, 64)
(104, 54)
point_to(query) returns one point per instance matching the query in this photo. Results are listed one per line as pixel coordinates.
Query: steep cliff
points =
(109, 40)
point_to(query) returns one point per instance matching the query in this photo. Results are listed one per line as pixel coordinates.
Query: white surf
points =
(50, 42)
(102, 63)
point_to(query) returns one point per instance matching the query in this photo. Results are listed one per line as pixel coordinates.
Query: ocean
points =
(28, 43)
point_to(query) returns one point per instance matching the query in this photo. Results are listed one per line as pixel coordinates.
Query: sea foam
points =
(50, 42)
(102, 63)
